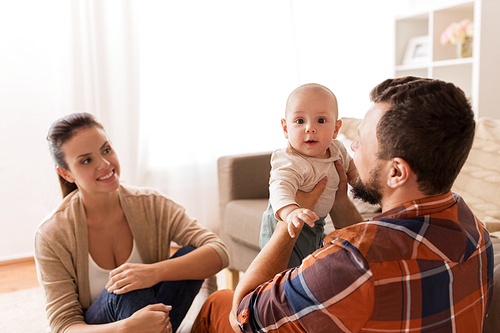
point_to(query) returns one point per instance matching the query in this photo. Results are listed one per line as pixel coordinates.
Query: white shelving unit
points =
(479, 75)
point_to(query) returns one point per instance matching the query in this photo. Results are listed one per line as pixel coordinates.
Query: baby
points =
(311, 125)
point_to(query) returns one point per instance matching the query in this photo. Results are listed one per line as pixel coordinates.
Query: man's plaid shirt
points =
(425, 266)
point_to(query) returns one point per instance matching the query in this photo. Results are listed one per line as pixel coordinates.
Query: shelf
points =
(422, 65)
(419, 72)
(441, 63)
(478, 75)
(442, 19)
(460, 74)
(452, 62)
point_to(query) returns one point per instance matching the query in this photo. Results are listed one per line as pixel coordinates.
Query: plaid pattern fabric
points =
(425, 266)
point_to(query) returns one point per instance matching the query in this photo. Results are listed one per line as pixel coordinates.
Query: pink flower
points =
(468, 27)
(456, 33)
(445, 37)
(464, 23)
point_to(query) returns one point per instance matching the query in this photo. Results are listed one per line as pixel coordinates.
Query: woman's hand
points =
(308, 199)
(152, 318)
(130, 277)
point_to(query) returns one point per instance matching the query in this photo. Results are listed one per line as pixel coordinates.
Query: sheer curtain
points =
(105, 73)
(59, 57)
(215, 76)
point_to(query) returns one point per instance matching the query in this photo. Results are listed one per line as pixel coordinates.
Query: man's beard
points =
(369, 192)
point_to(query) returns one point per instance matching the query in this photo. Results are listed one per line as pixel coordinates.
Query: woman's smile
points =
(107, 176)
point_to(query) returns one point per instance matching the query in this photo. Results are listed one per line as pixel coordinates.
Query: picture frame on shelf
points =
(417, 50)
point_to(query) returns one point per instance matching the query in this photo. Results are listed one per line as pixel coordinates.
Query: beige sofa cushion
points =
(479, 181)
(242, 221)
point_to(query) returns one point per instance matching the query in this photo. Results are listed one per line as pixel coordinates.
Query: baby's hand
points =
(298, 217)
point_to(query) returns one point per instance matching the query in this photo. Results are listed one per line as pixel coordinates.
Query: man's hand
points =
(309, 199)
(271, 260)
(296, 219)
(343, 180)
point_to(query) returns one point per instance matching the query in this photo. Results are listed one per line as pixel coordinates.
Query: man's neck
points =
(400, 196)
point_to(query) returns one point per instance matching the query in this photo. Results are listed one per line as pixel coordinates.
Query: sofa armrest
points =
(350, 127)
(243, 177)
(492, 225)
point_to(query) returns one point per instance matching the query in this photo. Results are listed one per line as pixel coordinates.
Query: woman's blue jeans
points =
(109, 308)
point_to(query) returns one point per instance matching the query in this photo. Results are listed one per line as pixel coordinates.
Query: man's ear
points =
(338, 125)
(285, 128)
(65, 174)
(399, 172)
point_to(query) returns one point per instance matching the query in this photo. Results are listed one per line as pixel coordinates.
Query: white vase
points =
(464, 50)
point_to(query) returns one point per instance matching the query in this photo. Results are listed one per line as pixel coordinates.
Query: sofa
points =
(244, 193)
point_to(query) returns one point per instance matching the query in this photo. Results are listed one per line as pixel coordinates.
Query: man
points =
(424, 264)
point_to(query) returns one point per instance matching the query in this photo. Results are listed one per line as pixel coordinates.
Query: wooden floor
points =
(17, 274)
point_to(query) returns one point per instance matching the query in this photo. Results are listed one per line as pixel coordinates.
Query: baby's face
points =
(311, 121)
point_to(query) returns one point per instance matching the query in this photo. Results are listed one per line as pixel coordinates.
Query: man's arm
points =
(271, 260)
(274, 257)
(343, 212)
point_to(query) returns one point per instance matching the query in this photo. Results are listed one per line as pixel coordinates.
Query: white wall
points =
(349, 49)
(347, 46)
(34, 53)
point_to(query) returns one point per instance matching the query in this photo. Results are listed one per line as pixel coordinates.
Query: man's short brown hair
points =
(430, 125)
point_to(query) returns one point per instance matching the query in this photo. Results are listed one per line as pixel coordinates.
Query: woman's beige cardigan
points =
(61, 246)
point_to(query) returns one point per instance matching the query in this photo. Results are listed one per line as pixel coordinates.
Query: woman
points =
(102, 254)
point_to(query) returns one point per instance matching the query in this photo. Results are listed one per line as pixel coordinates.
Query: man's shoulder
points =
(383, 239)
